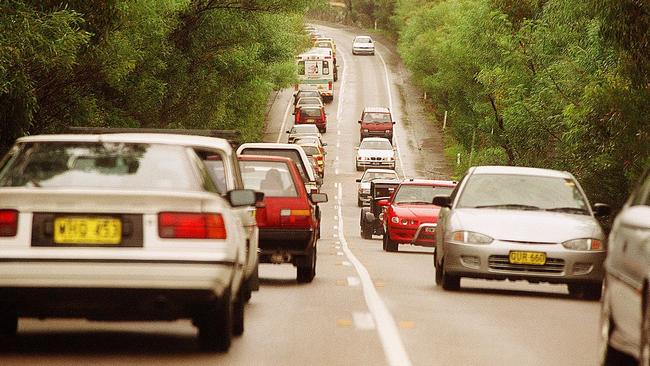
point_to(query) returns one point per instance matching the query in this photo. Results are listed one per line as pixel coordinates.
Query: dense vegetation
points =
(143, 63)
(562, 84)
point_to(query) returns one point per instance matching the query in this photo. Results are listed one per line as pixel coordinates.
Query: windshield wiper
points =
(569, 209)
(511, 205)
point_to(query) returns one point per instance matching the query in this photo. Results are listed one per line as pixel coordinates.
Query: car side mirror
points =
(442, 201)
(394, 122)
(359, 121)
(242, 197)
(358, 180)
(383, 203)
(318, 197)
(602, 210)
(324, 144)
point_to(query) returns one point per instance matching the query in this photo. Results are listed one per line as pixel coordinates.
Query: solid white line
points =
(363, 320)
(388, 332)
(390, 104)
(284, 121)
(353, 281)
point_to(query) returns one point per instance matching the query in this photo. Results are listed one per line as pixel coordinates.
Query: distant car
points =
(625, 310)
(363, 45)
(310, 140)
(519, 223)
(317, 168)
(317, 151)
(376, 122)
(309, 102)
(375, 152)
(312, 115)
(287, 218)
(306, 93)
(95, 226)
(363, 191)
(326, 42)
(410, 216)
(371, 217)
(305, 130)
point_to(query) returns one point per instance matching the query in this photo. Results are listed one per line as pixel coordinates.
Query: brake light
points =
(292, 216)
(8, 222)
(329, 85)
(183, 225)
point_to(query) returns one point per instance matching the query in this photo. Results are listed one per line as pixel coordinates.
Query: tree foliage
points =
(546, 83)
(144, 63)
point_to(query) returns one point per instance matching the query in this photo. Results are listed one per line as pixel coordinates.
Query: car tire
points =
(238, 310)
(449, 282)
(389, 245)
(8, 321)
(586, 291)
(306, 274)
(359, 203)
(438, 272)
(255, 278)
(215, 325)
(366, 231)
(610, 356)
(246, 291)
(644, 343)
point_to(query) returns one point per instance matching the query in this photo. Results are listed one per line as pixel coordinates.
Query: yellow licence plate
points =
(87, 230)
(534, 258)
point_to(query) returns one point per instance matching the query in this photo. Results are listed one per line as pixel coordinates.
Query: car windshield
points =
(376, 117)
(271, 177)
(363, 40)
(375, 145)
(419, 194)
(309, 100)
(525, 192)
(311, 112)
(304, 129)
(368, 176)
(100, 165)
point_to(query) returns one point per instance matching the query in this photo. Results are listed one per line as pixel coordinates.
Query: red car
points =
(376, 122)
(286, 217)
(410, 217)
(312, 114)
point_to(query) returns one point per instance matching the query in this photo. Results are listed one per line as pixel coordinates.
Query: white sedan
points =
(121, 227)
(375, 152)
(363, 45)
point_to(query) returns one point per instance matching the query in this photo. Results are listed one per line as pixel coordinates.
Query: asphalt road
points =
(365, 306)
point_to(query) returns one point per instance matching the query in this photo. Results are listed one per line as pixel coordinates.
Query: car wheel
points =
(438, 272)
(389, 245)
(366, 231)
(8, 321)
(238, 315)
(246, 290)
(215, 325)
(609, 356)
(449, 282)
(586, 291)
(255, 278)
(306, 274)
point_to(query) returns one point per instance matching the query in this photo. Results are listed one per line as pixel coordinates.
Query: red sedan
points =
(410, 216)
(287, 216)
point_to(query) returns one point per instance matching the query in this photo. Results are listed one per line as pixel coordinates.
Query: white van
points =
(316, 71)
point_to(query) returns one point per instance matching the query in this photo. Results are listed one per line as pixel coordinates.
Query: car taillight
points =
(8, 222)
(183, 225)
(329, 85)
(294, 216)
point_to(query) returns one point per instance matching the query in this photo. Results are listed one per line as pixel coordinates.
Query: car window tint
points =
(375, 145)
(287, 153)
(271, 177)
(311, 112)
(368, 176)
(419, 193)
(376, 117)
(101, 165)
(310, 150)
(538, 191)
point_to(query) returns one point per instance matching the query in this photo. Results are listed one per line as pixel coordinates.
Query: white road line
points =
(390, 104)
(363, 320)
(388, 332)
(353, 281)
(346, 263)
(284, 121)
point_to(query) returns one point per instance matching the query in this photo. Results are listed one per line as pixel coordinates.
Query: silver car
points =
(625, 315)
(520, 223)
(363, 191)
(375, 152)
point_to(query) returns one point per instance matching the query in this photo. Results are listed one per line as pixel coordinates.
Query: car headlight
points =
(365, 130)
(470, 237)
(394, 220)
(388, 131)
(583, 244)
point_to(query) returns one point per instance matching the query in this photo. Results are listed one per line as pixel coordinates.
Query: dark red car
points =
(376, 122)
(312, 115)
(410, 216)
(287, 216)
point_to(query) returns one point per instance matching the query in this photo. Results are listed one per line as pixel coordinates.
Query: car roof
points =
(519, 170)
(377, 170)
(362, 37)
(376, 110)
(375, 139)
(429, 182)
(305, 127)
(385, 181)
(264, 158)
(145, 138)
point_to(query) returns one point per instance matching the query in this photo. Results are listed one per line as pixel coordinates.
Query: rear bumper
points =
(292, 241)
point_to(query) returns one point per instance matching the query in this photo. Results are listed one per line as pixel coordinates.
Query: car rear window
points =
(304, 129)
(287, 153)
(363, 40)
(100, 165)
(271, 177)
(310, 150)
(376, 117)
(311, 112)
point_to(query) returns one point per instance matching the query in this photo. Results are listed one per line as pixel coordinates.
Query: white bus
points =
(316, 72)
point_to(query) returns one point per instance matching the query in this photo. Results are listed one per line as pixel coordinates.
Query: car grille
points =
(375, 158)
(502, 263)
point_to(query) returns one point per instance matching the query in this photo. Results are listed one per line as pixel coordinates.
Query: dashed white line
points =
(353, 281)
(363, 320)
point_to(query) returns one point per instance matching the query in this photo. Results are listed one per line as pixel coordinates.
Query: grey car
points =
(625, 315)
(516, 223)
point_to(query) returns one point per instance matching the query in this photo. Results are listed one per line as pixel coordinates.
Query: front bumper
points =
(490, 261)
(376, 164)
(420, 236)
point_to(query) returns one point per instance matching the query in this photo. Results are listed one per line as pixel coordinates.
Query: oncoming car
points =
(410, 216)
(520, 223)
(375, 152)
(363, 45)
(93, 217)
(363, 191)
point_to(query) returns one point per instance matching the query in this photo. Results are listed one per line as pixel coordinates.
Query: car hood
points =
(364, 185)
(379, 153)
(419, 211)
(526, 226)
